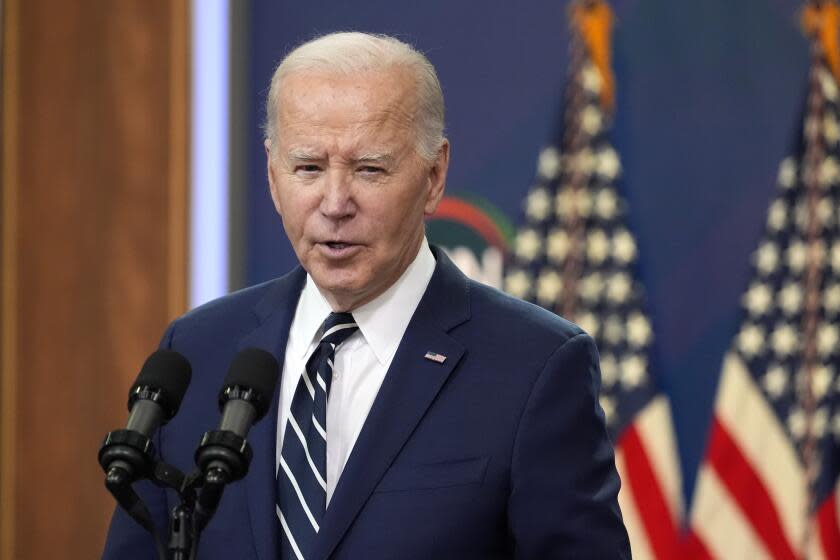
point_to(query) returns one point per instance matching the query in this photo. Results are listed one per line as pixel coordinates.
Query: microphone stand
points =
(222, 457)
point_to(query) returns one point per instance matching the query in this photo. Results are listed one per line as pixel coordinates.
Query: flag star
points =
(538, 204)
(829, 171)
(777, 216)
(638, 330)
(557, 246)
(811, 126)
(606, 204)
(797, 423)
(518, 283)
(528, 245)
(821, 378)
(831, 131)
(548, 164)
(613, 330)
(831, 299)
(608, 404)
(549, 286)
(766, 257)
(609, 370)
(825, 212)
(750, 339)
(591, 119)
(775, 381)
(796, 256)
(619, 287)
(590, 79)
(609, 165)
(790, 298)
(787, 173)
(758, 299)
(624, 247)
(633, 370)
(819, 422)
(597, 246)
(583, 161)
(583, 202)
(827, 338)
(563, 202)
(589, 323)
(829, 86)
(784, 340)
(591, 287)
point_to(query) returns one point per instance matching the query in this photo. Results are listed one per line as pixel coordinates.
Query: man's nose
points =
(337, 200)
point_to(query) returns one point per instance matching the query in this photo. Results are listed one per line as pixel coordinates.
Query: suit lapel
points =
(275, 313)
(410, 386)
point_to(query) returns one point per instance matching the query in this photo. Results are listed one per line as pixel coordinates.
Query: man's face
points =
(347, 181)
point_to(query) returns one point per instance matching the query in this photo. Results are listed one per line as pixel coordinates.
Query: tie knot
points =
(337, 327)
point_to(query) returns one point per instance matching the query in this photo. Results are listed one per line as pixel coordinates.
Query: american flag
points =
(576, 255)
(768, 485)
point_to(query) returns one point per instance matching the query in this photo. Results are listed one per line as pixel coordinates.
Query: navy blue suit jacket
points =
(498, 452)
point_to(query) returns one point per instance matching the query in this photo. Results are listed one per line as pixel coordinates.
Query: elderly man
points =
(419, 414)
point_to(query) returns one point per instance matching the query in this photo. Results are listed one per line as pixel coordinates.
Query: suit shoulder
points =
(501, 311)
(232, 314)
(230, 305)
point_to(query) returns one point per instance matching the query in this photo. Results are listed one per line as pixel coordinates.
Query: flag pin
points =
(435, 357)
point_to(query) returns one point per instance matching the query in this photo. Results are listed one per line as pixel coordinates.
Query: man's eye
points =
(309, 168)
(371, 169)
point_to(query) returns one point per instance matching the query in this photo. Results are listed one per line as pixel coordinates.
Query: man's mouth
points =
(338, 249)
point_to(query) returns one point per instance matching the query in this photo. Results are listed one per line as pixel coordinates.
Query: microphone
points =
(224, 455)
(154, 398)
(249, 387)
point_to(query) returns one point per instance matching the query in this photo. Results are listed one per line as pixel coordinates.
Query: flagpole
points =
(817, 26)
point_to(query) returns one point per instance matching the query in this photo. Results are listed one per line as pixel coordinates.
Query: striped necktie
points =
(302, 475)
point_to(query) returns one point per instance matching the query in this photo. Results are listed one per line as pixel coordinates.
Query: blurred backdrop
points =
(134, 188)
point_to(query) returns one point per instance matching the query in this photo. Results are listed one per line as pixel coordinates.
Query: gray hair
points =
(347, 53)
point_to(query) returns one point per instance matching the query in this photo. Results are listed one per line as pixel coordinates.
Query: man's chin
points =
(338, 285)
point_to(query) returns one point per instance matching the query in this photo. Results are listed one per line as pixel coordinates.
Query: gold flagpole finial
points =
(592, 20)
(821, 23)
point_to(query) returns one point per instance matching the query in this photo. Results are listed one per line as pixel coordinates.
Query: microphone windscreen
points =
(258, 370)
(167, 371)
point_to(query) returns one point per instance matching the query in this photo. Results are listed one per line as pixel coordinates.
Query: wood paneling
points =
(94, 243)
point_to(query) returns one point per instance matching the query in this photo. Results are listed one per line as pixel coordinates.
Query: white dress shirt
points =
(361, 362)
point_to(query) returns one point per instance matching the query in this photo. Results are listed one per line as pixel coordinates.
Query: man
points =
(460, 423)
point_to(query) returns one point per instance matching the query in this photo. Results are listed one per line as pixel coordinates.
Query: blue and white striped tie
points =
(302, 475)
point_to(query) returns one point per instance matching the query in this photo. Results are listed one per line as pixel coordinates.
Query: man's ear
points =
(272, 183)
(437, 179)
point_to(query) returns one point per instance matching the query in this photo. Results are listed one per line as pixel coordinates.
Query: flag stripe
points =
(659, 526)
(829, 529)
(693, 548)
(757, 433)
(631, 514)
(656, 432)
(720, 525)
(749, 492)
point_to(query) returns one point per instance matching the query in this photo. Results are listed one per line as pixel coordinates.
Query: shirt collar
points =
(382, 321)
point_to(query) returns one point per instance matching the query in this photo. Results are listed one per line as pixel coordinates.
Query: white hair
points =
(347, 53)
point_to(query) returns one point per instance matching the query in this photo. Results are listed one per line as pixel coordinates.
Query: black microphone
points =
(127, 455)
(224, 455)
(249, 387)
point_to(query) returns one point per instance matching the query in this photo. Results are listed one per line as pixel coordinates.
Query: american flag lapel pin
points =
(435, 357)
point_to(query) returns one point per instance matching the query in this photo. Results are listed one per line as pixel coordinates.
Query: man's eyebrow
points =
(303, 155)
(375, 157)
